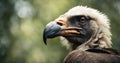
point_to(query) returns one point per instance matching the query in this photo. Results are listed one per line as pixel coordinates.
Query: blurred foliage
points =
(22, 23)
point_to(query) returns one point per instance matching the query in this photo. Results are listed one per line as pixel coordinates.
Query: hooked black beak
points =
(51, 30)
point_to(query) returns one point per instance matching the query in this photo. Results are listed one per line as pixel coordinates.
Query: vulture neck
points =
(96, 41)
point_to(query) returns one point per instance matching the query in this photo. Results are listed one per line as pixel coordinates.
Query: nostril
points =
(60, 22)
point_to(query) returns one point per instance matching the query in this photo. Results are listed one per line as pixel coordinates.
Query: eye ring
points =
(82, 20)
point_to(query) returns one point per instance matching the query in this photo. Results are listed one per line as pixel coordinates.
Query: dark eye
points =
(82, 19)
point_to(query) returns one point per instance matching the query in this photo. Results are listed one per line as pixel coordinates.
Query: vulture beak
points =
(51, 30)
(59, 28)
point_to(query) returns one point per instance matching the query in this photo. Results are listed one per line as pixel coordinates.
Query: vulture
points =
(87, 32)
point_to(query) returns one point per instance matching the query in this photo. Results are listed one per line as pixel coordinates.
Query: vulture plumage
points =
(87, 31)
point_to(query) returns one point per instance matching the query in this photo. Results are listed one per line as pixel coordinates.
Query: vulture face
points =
(76, 29)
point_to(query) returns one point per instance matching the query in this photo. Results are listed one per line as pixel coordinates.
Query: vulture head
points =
(82, 27)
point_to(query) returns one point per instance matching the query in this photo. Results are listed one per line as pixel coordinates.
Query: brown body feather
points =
(93, 56)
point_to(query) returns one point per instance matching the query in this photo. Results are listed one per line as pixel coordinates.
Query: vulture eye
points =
(82, 19)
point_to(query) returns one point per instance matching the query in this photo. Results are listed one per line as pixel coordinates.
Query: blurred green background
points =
(22, 23)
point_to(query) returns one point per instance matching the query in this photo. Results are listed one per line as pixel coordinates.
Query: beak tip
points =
(44, 39)
(45, 42)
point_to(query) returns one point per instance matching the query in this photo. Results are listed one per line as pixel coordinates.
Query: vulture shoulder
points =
(93, 56)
